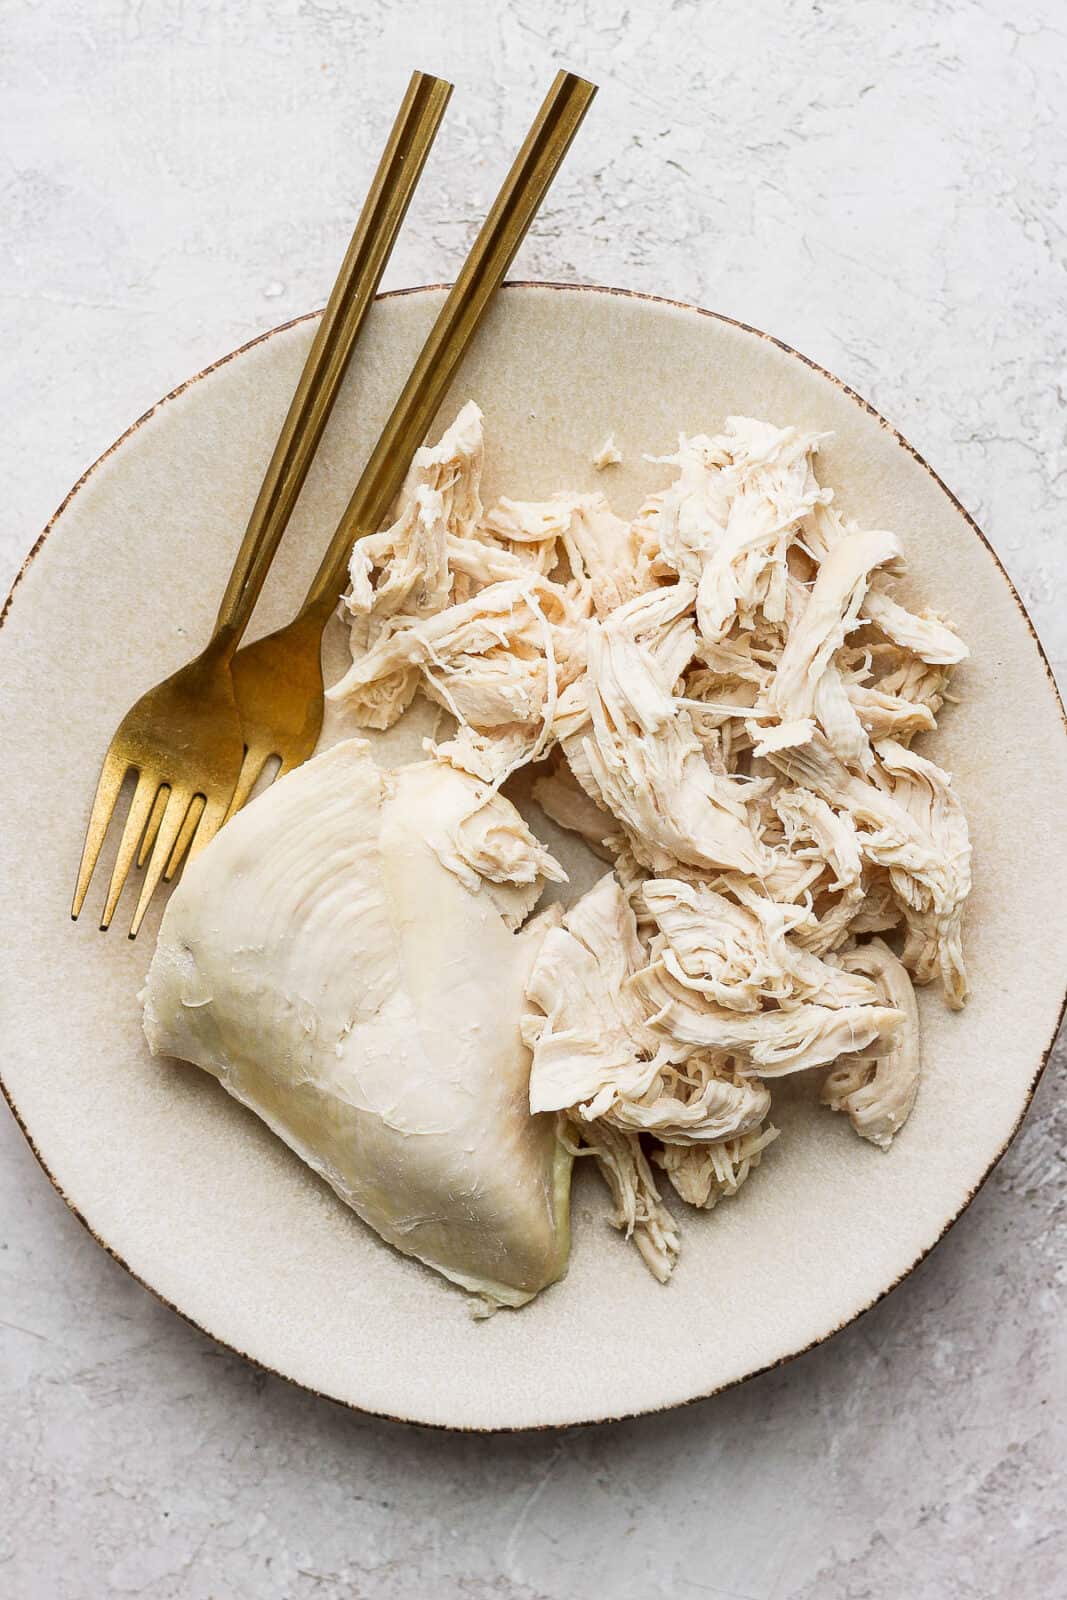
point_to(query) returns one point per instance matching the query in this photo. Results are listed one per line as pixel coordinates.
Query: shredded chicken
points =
(491, 847)
(702, 1175)
(609, 454)
(728, 688)
(879, 1091)
(808, 686)
(562, 798)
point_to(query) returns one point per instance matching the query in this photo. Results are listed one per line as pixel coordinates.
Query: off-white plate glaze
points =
(195, 1196)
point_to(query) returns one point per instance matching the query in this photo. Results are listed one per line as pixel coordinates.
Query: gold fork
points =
(278, 679)
(184, 738)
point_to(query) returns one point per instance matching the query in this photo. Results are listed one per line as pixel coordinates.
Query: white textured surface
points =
(880, 185)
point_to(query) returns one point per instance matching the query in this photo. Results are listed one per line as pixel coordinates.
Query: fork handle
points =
(503, 231)
(379, 223)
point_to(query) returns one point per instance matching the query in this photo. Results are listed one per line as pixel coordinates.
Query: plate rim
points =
(789, 1356)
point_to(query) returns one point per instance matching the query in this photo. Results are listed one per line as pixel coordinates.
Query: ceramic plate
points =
(209, 1210)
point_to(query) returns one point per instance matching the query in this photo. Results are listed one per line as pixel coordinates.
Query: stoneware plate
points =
(197, 1199)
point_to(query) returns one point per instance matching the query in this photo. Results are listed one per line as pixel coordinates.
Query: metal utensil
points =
(278, 679)
(184, 738)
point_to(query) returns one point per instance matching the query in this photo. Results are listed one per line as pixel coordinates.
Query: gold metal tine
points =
(140, 809)
(251, 767)
(108, 789)
(202, 822)
(254, 762)
(175, 806)
(159, 805)
(185, 837)
(187, 732)
(211, 820)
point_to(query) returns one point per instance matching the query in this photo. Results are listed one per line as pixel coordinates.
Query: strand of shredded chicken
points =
(721, 695)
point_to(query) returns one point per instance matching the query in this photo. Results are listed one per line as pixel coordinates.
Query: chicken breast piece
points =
(321, 962)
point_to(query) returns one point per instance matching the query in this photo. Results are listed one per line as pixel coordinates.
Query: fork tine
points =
(212, 818)
(140, 808)
(251, 767)
(185, 837)
(112, 777)
(158, 807)
(175, 808)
